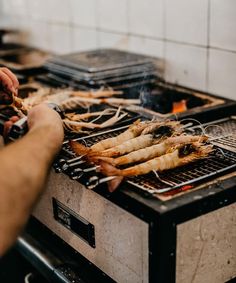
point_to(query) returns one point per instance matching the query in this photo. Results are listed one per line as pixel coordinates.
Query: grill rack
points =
(223, 132)
(218, 128)
(221, 161)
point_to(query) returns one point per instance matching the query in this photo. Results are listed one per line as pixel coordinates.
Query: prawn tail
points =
(105, 159)
(78, 148)
(114, 184)
(108, 169)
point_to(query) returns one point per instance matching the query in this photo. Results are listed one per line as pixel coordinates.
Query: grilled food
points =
(178, 156)
(153, 151)
(157, 128)
(144, 147)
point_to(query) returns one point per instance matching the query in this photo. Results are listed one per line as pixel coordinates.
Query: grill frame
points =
(163, 217)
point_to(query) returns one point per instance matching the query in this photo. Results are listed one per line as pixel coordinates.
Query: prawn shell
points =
(133, 131)
(79, 149)
(128, 146)
(164, 162)
(153, 151)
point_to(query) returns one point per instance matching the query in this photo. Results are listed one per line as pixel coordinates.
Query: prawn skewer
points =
(76, 126)
(74, 102)
(180, 156)
(132, 132)
(97, 94)
(84, 116)
(71, 97)
(168, 128)
(153, 151)
(128, 146)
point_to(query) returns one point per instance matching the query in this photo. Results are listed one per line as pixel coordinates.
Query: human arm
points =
(24, 166)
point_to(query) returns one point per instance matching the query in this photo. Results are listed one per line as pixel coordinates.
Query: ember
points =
(165, 99)
(179, 106)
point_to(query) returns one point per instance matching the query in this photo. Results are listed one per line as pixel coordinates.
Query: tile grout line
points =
(208, 43)
(98, 44)
(164, 37)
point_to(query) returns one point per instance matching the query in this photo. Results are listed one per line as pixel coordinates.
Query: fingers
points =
(8, 125)
(6, 81)
(14, 119)
(41, 116)
(1, 142)
(9, 80)
(12, 76)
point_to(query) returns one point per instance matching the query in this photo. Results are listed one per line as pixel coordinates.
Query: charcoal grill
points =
(142, 228)
(148, 230)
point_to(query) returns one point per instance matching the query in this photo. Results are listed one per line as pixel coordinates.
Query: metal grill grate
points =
(227, 142)
(218, 128)
(219, 162)
(90, 140)
(223, 133)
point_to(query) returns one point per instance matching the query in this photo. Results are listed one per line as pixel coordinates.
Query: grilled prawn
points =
(180, 156)
(152, 151)
(73, 102)
(75, 126)
(166, 129)
(128, 146)
(98, 93)
(84, 116)
(138, 128)
(132, 132)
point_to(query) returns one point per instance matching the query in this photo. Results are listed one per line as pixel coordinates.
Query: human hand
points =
(8, 125)
(41, 116)
(8, 85)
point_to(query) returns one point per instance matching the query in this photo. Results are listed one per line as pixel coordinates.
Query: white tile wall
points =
(7, 22)
(83, 39)
(146, 46)
(54, 11)
(223, 24)
(186, 65)
(60, 11)
(112, 15)
(60, 38)
(146, 17)
(6, 6)
(40, 10)
(84, 12)
(186, 21)
(222, 73)
(108, 39)
(197, 38)
(17, 7)
(39, 35)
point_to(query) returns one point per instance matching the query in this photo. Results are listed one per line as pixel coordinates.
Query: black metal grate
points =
(222, 133)
(219, 128)
(92, 139)
(227, 142)
(219, 162)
